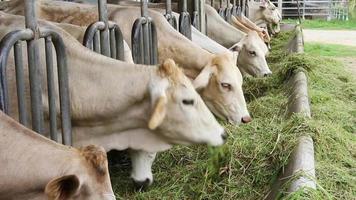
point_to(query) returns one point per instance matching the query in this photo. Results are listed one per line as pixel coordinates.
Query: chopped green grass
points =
(247, 166)
(333, 50)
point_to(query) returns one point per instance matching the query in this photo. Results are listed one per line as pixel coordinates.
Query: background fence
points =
(311, 9)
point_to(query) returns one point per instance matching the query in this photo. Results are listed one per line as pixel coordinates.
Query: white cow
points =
(265, 13)
(228, 105)
(251, 48)
(33, 167)
(119, 105)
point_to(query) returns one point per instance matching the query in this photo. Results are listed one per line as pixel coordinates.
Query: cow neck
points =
(184, 52)
(254, 12)
(29, 169)
(221, 31)
(102, 88)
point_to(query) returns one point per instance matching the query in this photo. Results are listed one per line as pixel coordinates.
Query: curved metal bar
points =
(172, 20)
(169, 16)
(90, 32)
(5, 46)
(63, 84)
(136, 39)
(104, 34)
(20, 83)
(51, 89)
(144, 38)
(119, 41)
(154, 42)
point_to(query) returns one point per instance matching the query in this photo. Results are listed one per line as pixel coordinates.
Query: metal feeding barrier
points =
(104, 36)
(31, 35)
(169, 15)
(144, 38)
(237, 8)
(184, 21)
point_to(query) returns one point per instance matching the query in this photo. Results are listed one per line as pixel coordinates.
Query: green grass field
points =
(326, 25)
(250, 162)
(331, 50)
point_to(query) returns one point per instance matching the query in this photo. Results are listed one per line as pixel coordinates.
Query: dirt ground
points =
(342, 37)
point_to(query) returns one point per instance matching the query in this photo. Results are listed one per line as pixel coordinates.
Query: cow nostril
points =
(267, 74)
(246, 119)
(224, 136)
(142, 185)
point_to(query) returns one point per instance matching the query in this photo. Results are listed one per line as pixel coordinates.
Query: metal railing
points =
(234, 8)
(329, 9)
(169, 15)
(184, 21)
(104, 36)
(144, 38)
(31, 35)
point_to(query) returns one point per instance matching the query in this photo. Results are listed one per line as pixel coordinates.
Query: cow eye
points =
(273, 8)
(252, 53)
(188, 102)
(226, 86)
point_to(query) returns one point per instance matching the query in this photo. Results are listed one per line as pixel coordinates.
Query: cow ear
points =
(235, 56)
(236, 47)
(202, 80)
(62, 188)
(263, 5)
(159, 112)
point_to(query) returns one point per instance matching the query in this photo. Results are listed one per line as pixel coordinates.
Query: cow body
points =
(33, 173)
(152, 107)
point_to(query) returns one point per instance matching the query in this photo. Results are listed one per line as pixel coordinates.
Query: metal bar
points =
(195, 17)
(184, 22)
(169, 16)
(5, 46)
(104, 34)
(144, 8)
(168, 7)
(144, 38)
(35, 83)
(20, 84)
(146, 43)
(51, 90)
(90, 33)
(119, 41)
(63, 84)
(112, 44)
(96, 42)
(154, 46)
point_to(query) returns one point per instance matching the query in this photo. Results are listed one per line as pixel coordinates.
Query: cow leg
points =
(142, 168)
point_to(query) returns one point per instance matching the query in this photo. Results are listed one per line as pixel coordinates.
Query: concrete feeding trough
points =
(300, 171)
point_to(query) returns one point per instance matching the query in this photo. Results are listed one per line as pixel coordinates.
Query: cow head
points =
(88, 180)
(178, 112)
(252, 55)
(270, 14)
(220, 85)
